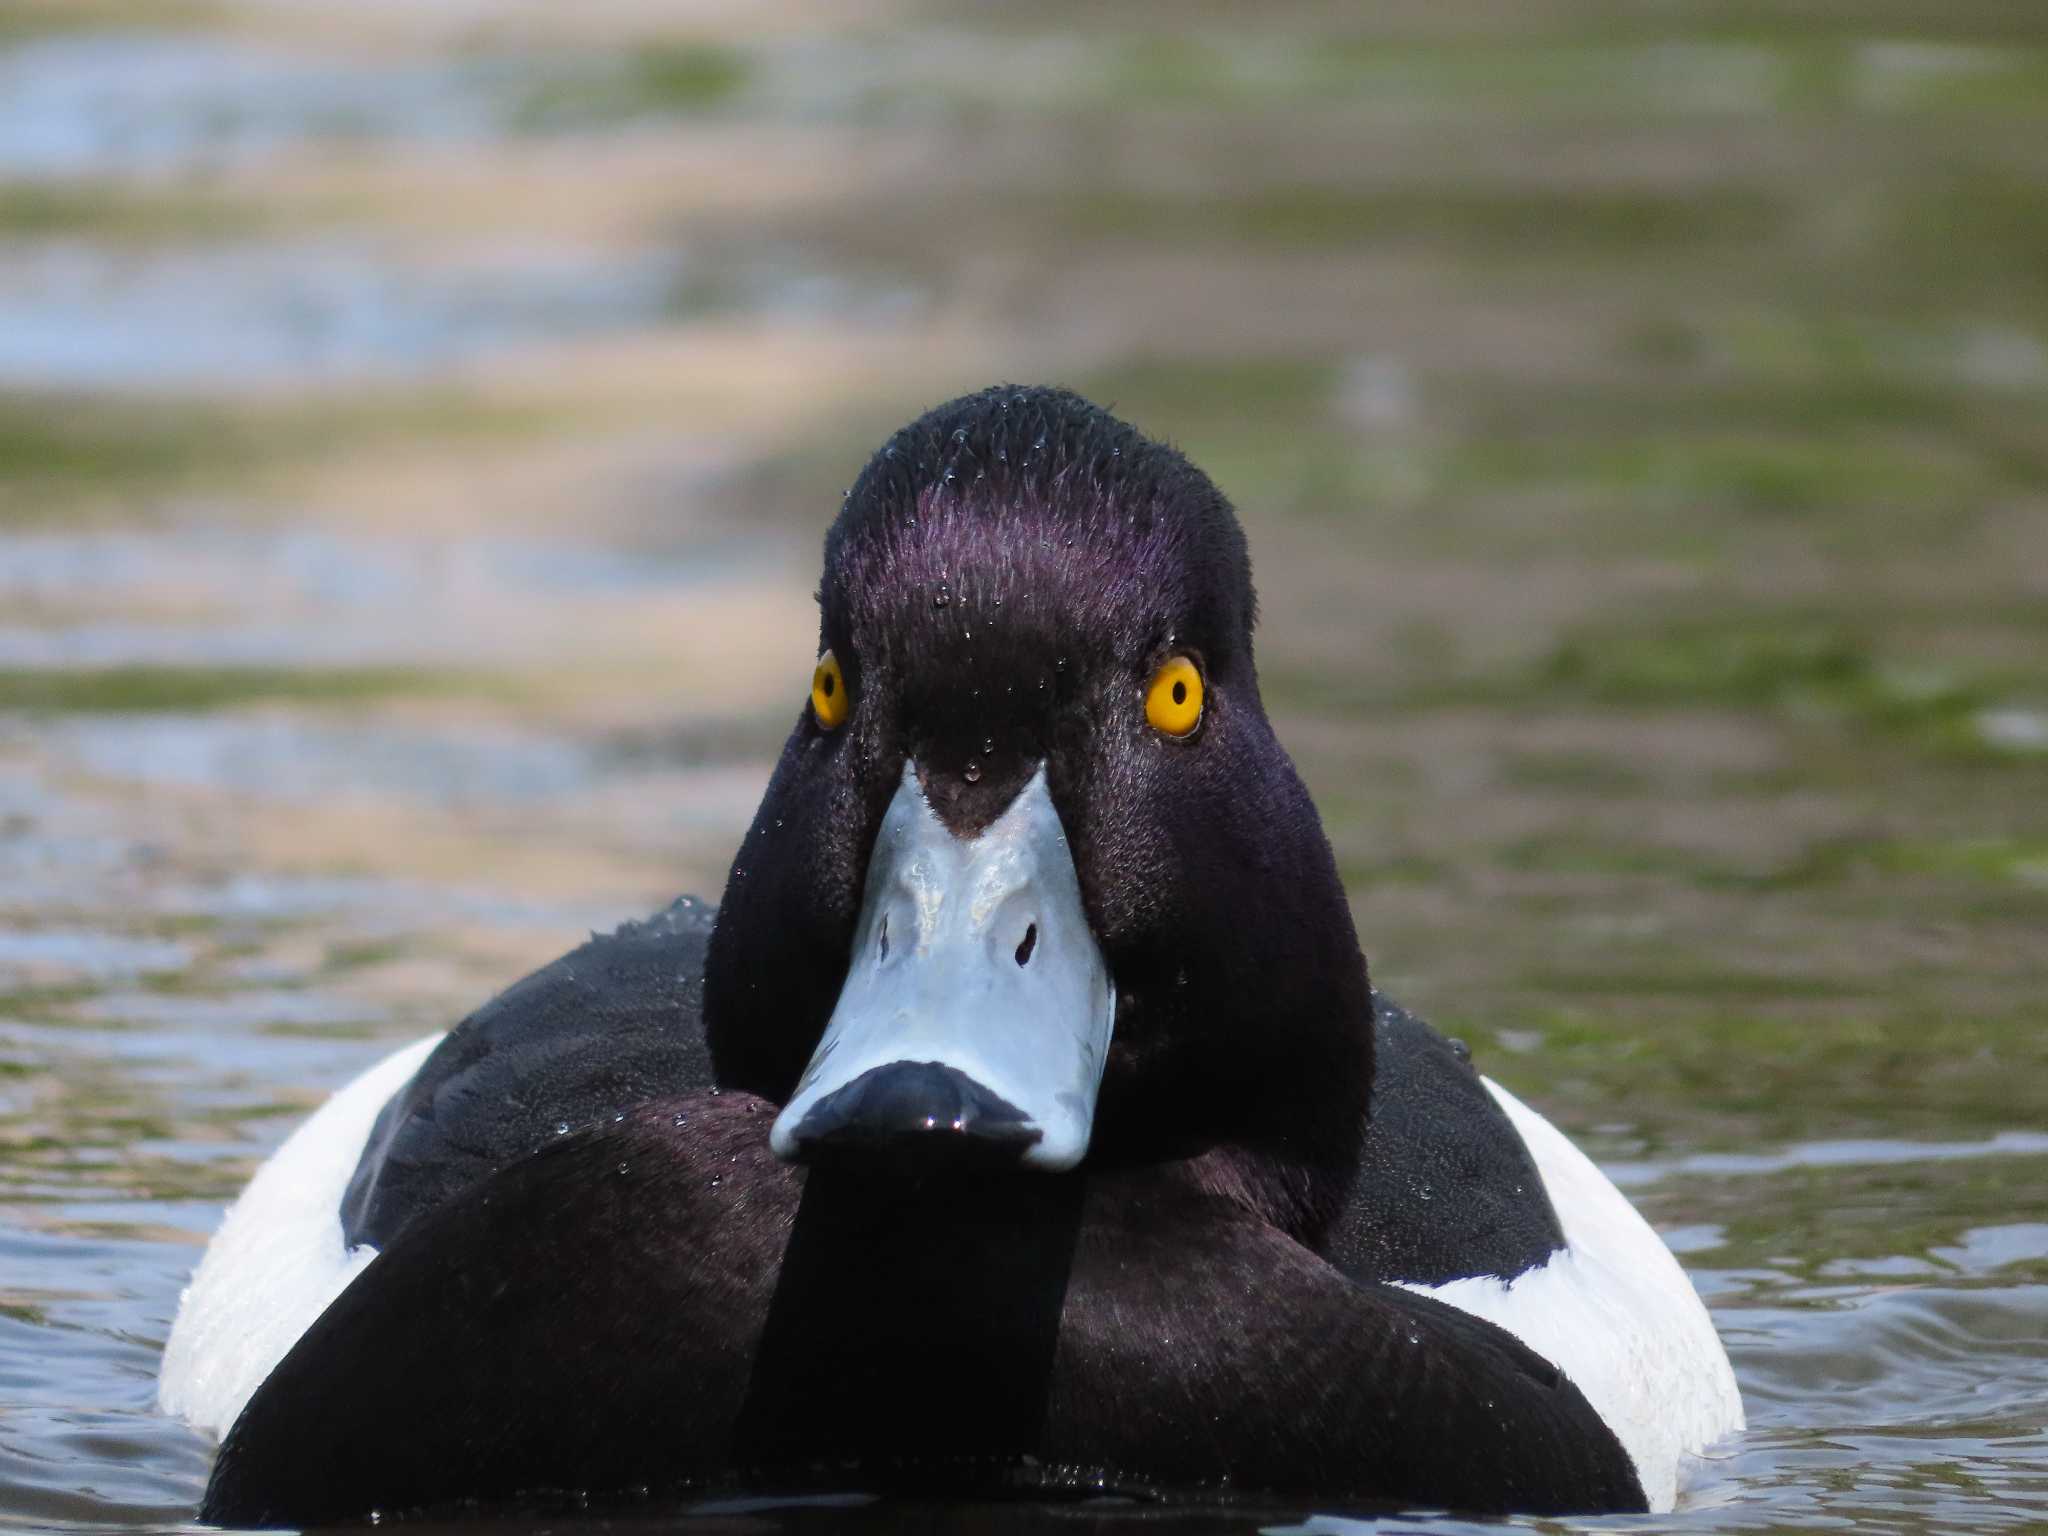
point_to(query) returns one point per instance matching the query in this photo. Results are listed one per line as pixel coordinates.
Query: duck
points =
(1022, 1121)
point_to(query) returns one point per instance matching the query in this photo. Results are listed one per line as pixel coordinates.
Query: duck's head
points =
(1032, 834)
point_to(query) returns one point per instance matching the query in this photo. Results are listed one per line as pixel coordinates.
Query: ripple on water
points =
(75, 315)
(281, 758)
(233, 595)
(253, 1008)
(1827, 1154)
(83, 1444)
(156, 103)
(217, 563)
(31, 956)
(1896, 1356)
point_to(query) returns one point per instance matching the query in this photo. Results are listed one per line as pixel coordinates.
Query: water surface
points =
(415, 435)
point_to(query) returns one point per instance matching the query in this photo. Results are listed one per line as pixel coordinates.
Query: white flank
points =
(1615, 1313)
(278, 1258)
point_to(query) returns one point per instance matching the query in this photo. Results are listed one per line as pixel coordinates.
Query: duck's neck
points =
(1300, 1197)
(1273, 1123)
(1266, 1027)
(1294, 1163)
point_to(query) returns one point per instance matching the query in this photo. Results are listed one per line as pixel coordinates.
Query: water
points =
(160, 103)
(258, 315)
(416, 436)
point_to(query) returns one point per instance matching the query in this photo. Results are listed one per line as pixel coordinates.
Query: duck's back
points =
(612, 1024)
(1446, 1188)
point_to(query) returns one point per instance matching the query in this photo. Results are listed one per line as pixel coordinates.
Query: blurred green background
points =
(417, 424)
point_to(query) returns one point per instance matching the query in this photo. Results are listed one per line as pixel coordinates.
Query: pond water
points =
(103, 101)
(75, 316)
(1642, 431)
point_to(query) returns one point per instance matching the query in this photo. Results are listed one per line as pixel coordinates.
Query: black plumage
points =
(649, 1304)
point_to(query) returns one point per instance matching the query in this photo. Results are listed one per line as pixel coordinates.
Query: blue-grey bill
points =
(974, 955)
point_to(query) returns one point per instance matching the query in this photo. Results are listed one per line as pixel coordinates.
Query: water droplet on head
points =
(988, 744)
(972, 772)
(681, 1119)
(561, 1127)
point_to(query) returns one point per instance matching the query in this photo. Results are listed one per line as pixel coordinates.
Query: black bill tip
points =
(916, 1108)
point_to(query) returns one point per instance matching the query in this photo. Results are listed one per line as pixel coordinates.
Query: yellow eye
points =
(1173, 701)
(828, 693)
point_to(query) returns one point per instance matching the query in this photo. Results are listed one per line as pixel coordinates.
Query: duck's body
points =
(1307, 1251)
(1457, 1200)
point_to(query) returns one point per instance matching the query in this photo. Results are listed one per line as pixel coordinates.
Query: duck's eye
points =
(1173, 701)
(828, 693)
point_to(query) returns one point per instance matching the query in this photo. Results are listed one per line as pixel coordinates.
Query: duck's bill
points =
(977, 1008)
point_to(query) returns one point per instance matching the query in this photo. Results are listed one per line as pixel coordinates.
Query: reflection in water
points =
(246, 315)
(1830, 1154)
(160, 103)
